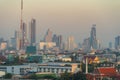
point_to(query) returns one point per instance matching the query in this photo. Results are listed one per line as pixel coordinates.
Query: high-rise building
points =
(110, 45)
(13, 42)
(17, 37)
(21, 39)
(33, 32)
(57, 40)
(24, 31)
(117, 42)
(60, 42)
(71, 43)
(93, 40)
(86, 45)
(48, 36)
(98, 44)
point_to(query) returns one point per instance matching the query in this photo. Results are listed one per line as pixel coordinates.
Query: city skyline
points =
(76, 18)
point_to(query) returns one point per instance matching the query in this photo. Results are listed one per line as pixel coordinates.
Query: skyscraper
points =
(71, 43)
(93, 40)
(48, 36)
(17, 37)
(24, 31)
(110, 45)
(33, 32)
(55, 38)
(21, 37)
(13, 42)
(58, 40)
(117, 42)
(86, 45)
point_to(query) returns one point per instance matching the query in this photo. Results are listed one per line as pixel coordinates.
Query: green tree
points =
(7, 76)
(104, 79)
(66, 76)
(79, 76)
(33, 76)
(90, 67)
(16, 59)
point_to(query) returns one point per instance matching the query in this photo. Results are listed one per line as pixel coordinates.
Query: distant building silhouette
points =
(33, 32)
(13, 42)
(110, 45)
(48, 36)
(25, 40)
(117, 42)
(58, 40)
(18, 40)
(92, 41)
(71, 45)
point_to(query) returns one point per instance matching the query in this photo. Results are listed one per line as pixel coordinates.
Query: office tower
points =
(24, 31)
(55, 38)
(98, 44)
(86, 45)
(93, 40)
(33, 32)
(13, 42)
(21, 37)
(17, 37)
(71, 43)
(58, 40)
(117, 42)
(110, 45)
(65, 46)
(48, 36)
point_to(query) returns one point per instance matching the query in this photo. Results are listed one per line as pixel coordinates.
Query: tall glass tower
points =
(93, 40)
(33, 32)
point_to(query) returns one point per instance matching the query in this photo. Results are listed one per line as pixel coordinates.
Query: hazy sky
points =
(66, 17)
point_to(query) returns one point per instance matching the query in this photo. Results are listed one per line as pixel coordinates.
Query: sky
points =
(65, 17)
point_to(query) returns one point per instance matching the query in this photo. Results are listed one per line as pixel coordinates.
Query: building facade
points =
(33, 32)
(117, 42)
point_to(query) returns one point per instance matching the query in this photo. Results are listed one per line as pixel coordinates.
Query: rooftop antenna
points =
(21, 14)
(21, 26)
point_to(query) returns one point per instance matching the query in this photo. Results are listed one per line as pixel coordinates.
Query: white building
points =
(57, 69)
(46, 45)
(19, 69)
(40, 68)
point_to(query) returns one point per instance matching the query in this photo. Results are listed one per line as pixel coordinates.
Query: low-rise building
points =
(101, 73)
(57, 69)
(19, 69)
(66, 59)
(40, 68)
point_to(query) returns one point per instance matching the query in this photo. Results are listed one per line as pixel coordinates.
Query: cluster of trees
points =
(63, 76)
(14, 61)
(7, 76)
(76, 76)
(42, 76)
